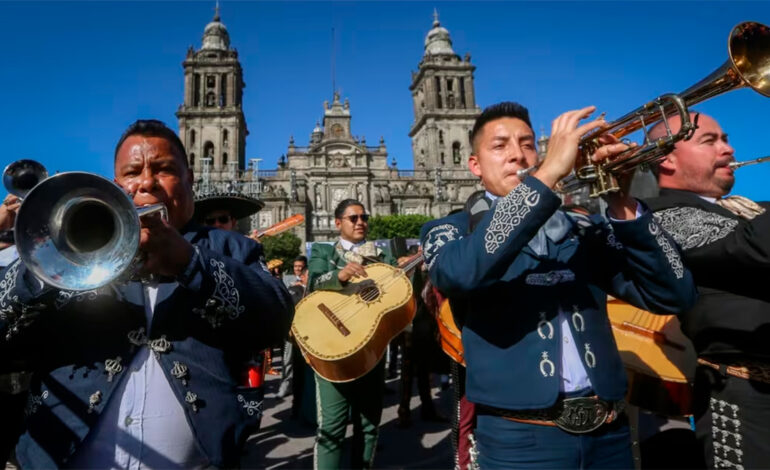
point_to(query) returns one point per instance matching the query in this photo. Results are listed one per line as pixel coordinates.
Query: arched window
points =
(211, 99)
(223, 91)
(440, 137)
(442, 159)
(456, 153)
(224, 158)
(192, 159)
(208, 150)
(192, 137)
(225, 138)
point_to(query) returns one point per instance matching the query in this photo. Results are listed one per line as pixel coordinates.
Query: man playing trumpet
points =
(726, 244)
(528, 284)
(144, 373)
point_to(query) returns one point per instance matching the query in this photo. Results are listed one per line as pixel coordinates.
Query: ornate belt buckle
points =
(583, 414)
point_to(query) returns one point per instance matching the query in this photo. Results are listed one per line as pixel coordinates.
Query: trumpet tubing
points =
(747, 65)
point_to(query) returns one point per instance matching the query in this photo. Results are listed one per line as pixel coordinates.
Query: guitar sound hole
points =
(369, 293)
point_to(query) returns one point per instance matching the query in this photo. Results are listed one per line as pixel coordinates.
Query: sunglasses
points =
(354, 218)
(222, 219)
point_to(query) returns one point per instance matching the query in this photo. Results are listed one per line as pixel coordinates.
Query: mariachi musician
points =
(142, 373)
(530, 284)
(726, 244)
(331, 267)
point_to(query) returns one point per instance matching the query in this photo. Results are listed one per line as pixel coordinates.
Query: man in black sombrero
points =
(223, 210)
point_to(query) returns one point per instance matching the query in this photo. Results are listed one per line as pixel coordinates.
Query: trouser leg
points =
(332, 414)
(731, 420)
(367, 407)
(287, 369)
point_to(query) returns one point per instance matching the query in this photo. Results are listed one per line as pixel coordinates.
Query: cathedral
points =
(333, 165)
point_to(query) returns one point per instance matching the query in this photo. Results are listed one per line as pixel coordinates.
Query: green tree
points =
(389, 226)
(285, 246)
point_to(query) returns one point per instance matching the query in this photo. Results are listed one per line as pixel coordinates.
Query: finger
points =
(609, 151)
(591, 125)
(574, 117)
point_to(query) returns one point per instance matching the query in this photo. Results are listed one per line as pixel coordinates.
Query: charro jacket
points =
(729, 258)
(79, 344)
(508, 281)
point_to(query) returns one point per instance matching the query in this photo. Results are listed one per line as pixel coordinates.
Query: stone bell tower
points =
(211, 122)
(444, 105)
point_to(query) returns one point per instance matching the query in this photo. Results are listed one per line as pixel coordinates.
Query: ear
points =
(474, 165)
(337, 223)
(669, 163)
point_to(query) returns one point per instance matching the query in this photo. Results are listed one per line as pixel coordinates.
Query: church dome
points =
(438, 42)
(215, 36)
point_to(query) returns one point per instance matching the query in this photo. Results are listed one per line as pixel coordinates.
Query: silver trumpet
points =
(75, 231)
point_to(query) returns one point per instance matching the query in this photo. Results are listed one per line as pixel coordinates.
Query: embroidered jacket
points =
(79, 345)
(730, 259)
(509, 292)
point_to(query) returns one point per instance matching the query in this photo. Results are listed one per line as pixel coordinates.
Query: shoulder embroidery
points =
(225, 290)
(66, 296)
(6, 286)
(34, 402)
(509, 213)
(437, 237)
(672, 255)
(692, 227)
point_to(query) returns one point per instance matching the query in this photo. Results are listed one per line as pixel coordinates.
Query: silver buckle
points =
(583, 414)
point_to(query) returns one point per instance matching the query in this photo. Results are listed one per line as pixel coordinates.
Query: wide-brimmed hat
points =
(238, 204)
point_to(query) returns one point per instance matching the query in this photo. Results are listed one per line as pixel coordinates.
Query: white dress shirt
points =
(143, 425)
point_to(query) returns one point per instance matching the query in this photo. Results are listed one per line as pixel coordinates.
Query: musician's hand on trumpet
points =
(164, 250)
(8, 209)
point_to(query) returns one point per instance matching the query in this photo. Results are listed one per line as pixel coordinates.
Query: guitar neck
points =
(281, 226)
(411, 263)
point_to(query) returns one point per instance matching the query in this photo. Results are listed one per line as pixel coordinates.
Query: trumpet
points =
(747, 65)
(75, 231)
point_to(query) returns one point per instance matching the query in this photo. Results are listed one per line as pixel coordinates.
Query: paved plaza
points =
(286, 443)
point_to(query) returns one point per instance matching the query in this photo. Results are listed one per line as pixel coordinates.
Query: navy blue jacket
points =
(508, 292)
(225, 306)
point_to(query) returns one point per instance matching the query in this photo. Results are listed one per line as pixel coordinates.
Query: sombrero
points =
(238, 204)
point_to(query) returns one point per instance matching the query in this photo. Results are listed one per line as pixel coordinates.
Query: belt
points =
(747, 369)
(575, 415)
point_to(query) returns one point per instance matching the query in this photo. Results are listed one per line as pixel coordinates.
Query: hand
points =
(165, 250)
(8, 211)
(563, 144)
(351, 270)
(620, 204)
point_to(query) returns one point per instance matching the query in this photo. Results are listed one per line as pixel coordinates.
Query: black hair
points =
(302, 258)
(344, 204)
(153, 128)
(497, 111)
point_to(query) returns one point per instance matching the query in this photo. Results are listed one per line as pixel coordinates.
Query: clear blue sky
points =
(75, 74)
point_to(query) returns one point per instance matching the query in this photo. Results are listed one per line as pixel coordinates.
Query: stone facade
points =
(334, 164)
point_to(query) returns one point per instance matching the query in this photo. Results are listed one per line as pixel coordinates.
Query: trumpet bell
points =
(748, 48)
(21, 176)
(77, 231)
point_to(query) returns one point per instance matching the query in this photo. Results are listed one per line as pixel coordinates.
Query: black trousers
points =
(732, 420)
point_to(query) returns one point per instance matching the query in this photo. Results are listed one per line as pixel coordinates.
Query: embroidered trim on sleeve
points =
(437, 237)
(225, 290)
(668, 249)
(692, 227)
(509, 213)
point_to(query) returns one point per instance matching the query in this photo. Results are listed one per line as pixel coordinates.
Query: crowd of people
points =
(166, 369)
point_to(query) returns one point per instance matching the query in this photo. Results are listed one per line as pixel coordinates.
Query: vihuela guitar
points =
(450, 336)
(659, 358)
(343, 334)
